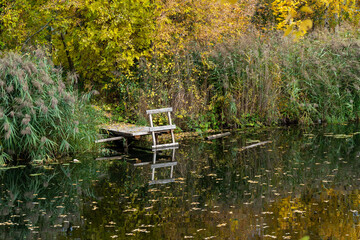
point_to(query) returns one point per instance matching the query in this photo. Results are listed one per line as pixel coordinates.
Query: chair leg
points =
(172, 136)
(154, 138)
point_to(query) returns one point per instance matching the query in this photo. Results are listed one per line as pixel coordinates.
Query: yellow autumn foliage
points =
(299, 16)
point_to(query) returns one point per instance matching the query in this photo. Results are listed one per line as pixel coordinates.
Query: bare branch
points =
(29, 38)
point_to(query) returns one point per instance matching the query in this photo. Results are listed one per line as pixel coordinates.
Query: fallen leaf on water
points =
(140, 230)
(299, 211)
(270, 236)
(210, 237)
(221, 225)
(195, 209)
(130, 210)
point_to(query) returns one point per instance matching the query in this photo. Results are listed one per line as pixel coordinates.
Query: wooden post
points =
(172, 131)
(152, 133)
(153, 170)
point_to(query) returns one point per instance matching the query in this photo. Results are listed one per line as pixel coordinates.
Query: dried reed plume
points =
(6, 126)
(26, 119)
(10, 88)
(30, 108)
(26, 131)
(54, 102)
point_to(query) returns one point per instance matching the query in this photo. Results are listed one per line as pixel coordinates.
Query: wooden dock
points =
(126, 132)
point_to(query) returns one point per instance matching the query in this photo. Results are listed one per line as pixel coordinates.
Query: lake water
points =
(305, 182)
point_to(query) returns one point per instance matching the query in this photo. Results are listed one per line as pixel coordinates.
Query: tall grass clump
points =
(41, 116)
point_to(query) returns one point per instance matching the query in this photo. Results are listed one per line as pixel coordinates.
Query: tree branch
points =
(29, 38)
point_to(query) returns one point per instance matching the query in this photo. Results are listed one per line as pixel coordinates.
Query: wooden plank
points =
(128, 132)
(160, 110)
(161, 146)
(162, 181)
(109, 139)
(220, 135)
(166, 148)
(110, 158)
(141, 164)
(162, 128)
(254, 145)
(161, 165)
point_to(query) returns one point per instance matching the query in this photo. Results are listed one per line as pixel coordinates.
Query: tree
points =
(93, 37)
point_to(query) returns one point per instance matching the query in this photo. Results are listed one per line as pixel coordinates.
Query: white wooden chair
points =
(158, 129)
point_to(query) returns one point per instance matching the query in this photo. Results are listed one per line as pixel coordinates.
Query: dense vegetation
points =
(41, 116)
(252, 81)
(218, 63)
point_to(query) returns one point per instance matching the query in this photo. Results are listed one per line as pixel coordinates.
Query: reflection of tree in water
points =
(225, 192)
(303, 182)
(331, 214)
(42, 203)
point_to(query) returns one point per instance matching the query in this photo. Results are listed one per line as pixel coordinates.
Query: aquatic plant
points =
(41, 116)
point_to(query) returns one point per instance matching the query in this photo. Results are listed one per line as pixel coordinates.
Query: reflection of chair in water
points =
(155, 166)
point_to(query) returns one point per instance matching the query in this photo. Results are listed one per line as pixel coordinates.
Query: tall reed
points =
(254, 79)
(41, 116)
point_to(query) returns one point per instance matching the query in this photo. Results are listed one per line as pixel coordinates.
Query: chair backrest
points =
(160, 110)
(159, 129)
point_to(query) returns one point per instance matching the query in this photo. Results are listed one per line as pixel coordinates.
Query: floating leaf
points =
(221, 225)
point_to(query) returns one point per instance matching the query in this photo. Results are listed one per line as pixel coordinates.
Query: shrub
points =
(41, 116)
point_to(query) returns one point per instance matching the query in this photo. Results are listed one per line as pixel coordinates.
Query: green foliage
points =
(253, 81)
(200, 57)
(41, 116)
(93, 37)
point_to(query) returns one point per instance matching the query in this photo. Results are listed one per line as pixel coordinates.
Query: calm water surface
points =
(305, 182)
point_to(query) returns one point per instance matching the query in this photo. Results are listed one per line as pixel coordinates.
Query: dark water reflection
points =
(303, 183)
